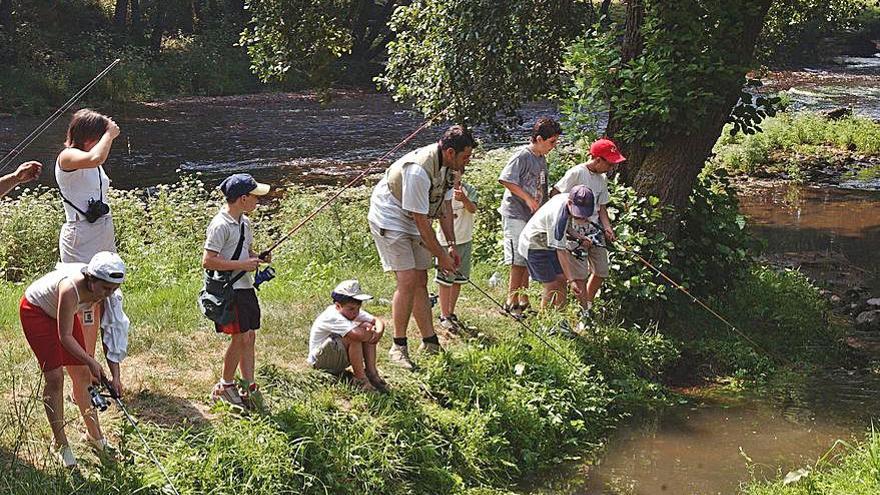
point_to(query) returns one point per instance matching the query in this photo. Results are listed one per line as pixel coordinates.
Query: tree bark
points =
(668, 170)
(137, 24)
(120, 15)
(6, 15)
(160, 17)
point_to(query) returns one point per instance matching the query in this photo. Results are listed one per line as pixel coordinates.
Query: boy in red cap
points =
(604, 158)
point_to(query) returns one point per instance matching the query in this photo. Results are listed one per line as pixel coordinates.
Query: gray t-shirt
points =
(528, 171)
(222, 237)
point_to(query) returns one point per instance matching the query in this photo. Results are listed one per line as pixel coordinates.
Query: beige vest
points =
(427, 157)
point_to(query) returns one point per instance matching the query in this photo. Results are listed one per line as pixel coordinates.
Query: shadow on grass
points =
(22, 477)
(165, 410)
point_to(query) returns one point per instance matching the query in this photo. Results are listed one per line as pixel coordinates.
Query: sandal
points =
(364, 384)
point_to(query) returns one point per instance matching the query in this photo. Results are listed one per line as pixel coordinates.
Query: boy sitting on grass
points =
(345, 335)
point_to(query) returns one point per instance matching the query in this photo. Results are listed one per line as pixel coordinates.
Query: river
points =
(708, 447)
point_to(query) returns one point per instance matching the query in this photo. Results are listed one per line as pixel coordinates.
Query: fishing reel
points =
(98, 400)
(264, 275)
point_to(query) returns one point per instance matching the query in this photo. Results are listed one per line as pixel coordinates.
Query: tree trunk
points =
(668, 170)
(6, 15)
(120, 15)
(160, 17)
(137, 24)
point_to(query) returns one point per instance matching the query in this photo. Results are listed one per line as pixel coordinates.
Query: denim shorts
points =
(544, 265)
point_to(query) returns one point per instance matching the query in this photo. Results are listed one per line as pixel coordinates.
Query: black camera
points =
(98, 400)
(96, 209)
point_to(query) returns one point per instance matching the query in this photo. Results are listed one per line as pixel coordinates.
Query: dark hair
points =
(343, 299)
(546, 128)
(457, 138)
(86, 125)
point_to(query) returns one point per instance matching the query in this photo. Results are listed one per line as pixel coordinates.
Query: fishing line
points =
(521, 322)
(363, 174)
(106, 384)
(15, 151)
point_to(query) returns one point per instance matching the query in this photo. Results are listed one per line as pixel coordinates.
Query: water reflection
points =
(828, 232)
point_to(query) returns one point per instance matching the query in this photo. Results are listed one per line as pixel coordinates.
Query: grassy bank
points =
(496, 408)
(793, 143)
(845, 469)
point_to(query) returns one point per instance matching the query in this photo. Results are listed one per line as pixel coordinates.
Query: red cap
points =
(605, 148)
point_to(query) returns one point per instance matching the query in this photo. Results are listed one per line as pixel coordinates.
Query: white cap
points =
(352, 289)
(106, 266)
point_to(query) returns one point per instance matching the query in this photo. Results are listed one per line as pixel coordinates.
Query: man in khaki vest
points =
(416, 189)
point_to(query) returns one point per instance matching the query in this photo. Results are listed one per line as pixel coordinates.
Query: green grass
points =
(495, 409)
(790, 140)
(844, 470)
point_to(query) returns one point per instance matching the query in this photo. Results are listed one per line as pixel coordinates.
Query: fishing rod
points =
(597, 239)
(363, 174)
(101, 404)
(521, 322)
(15, 151)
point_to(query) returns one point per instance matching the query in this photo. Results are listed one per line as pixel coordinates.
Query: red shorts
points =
(41, 332)
(247, 313)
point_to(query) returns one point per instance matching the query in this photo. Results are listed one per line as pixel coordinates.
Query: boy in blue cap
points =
(229, 248)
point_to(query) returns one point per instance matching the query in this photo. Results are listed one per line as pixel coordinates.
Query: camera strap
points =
(100, 194)
(235, 256)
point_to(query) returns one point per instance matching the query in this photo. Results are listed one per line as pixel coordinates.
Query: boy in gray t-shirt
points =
(525, 181)
(230, 229)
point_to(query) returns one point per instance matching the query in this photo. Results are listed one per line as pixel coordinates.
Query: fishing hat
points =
(605, 148)
(237, 185)
(581, 202)
(106, 266)
(352, 289)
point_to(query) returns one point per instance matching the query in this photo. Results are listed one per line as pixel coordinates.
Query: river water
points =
(704, 448)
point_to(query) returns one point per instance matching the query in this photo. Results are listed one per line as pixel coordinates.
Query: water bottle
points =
(494, 280)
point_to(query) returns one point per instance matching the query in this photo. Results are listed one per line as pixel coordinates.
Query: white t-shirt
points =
(389, 214)
(222, 237)
(540, 229)
(463, 220)
(332, 322)
(581, 175)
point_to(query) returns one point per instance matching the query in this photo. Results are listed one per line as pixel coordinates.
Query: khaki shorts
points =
(400, 251)
(596, 262)
(332, 356)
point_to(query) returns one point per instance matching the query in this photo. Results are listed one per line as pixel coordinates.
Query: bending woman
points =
(48, 313)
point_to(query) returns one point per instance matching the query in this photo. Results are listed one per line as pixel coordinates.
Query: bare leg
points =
(370, 359)
(447, 304)
(246, 361)
(421, 305)
(402, 302)
(524, 285)
(582, 299)
(554, 293)
(82, 378)
(53, 401)
(355, 350)
(519, 280)
(593, 287)
(454, 292)
(232, 358)
(90, 331)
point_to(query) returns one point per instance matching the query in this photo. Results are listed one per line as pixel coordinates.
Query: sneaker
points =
(447, 323)
(65, 454)
(430, 348)
(227, 393)
(399, 356)
(251, 397)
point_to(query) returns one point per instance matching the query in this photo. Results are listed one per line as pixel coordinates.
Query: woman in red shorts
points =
(51, 325)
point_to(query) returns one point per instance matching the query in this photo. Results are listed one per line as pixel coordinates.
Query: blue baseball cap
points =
(581, 202)
(237, 185)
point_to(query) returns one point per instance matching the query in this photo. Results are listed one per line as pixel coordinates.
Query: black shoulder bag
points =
(215, 298)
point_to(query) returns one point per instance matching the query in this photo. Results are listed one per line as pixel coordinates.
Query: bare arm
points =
(447, 224)
(27, 171)
(606, 223)
(67, 309)
(211, 260)
(521, 194)
(75, 159)
(567, 269)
